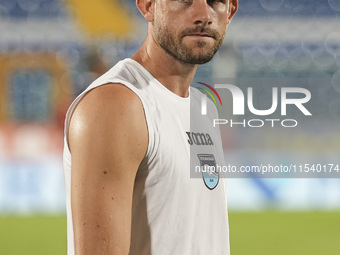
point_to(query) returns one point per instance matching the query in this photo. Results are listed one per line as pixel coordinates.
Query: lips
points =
(200, 31)
(200, 35)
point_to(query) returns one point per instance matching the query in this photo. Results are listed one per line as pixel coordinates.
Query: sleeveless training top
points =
(176, 210)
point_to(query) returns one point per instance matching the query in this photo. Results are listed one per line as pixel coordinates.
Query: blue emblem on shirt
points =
(209, 172)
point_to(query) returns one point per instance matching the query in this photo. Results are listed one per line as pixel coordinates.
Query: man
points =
(128, 142)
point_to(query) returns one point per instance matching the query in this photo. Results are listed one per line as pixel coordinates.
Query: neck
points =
(173, 74)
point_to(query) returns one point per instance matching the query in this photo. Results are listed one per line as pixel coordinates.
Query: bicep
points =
(108, 140)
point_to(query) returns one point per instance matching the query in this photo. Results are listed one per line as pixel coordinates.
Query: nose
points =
(202, 12)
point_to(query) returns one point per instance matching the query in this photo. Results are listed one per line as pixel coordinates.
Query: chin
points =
(197, 60)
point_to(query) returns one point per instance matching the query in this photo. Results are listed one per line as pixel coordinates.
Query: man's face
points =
(191, 31)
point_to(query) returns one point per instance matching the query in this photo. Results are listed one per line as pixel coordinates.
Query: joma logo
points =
(199, 139)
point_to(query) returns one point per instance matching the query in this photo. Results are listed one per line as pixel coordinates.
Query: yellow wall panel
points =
(102, 17)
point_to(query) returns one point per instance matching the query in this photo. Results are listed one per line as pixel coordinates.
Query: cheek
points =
(174, 6)
(169, 10)
(222, 8)
(175, 11)
(168, 17)
(222, 15)
(165, 16)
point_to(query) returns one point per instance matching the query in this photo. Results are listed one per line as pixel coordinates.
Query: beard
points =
(174, 46)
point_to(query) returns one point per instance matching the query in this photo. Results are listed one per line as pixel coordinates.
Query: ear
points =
(233, 6)
(146, 8)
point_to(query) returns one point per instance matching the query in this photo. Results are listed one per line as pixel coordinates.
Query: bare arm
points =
(108, 140)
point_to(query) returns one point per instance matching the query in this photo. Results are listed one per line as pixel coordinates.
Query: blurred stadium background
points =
(50, 50)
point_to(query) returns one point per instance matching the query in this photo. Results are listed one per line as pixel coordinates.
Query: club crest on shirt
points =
(209, 171)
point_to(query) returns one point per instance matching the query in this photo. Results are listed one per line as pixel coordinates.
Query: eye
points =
(214, 1)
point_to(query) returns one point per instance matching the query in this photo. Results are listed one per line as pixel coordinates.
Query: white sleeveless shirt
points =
(173, 213)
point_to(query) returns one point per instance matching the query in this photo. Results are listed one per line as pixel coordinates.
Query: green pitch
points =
(38, 235)
(275, 233)
(262, 233)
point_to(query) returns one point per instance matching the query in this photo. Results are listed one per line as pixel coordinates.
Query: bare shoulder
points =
(109, 95)
(105, 102)
(109, 114)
